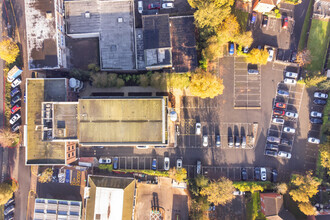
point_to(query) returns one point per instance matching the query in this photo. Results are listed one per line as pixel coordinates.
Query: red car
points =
(155, 5)
(285, 23)
(280, 105)
(278, 112)
(15, 109)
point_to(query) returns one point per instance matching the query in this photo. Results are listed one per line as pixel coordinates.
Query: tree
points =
(9, 50)
(244, 39)
(249, 186)
(281, 188)
(213, 49)
(120, 83)
(178, 175)
(8, 138)
(157, 80)
(325, 156)
(325, 85)
(80, 74)
(219, 192)
(304, 57)
(307, 208)
(144, 80)
(305, 187)
(314, 79)
(100, 80)
(204, 84)
(178, 80)
(228, 29)
(45, 176)
(6, 192)
(112, 80)
(257, 56)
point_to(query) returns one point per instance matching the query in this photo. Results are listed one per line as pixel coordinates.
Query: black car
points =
(55, 175)
(15, 99)
(272, 147)
(274, 175)
(14, 91)
(316, 121)
(293, 57)
(16, 126)
(320, 102)
(257, 173)
(286, 142)
(264, 21)
(271, 153)
(115, 163)
(230, 141)
(244, 174)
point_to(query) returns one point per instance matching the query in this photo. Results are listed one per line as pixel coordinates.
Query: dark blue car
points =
(320, 102)
(231, 49)
(14, 91)
(316, 121)
(254, 17)
(115, 163)
(154, 164)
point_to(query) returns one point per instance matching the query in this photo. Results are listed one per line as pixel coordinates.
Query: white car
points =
(166, 163)
(263, 173)
(284, 154)
(168, 5)
(291, 75)
(246, 49)
(198, 128)
(205, 141)
(14, 118)
(178, 163)
(320, 95)
(290, 81)
(289, 130)
(16, 82)
(278, 121)
(271, 55)
(291, 114)
(316, 114)
(142, 147)
(140, 7)
(313, 140)
(105, 160)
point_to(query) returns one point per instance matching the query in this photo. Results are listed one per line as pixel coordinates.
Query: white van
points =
(140, 6)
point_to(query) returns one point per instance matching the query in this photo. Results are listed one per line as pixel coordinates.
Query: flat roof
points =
(65, 120)
(41, 34)
(113, 21)
(156, 31)
(38, 91)
(122, 121)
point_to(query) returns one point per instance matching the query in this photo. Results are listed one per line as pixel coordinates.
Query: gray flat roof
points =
(113, 21)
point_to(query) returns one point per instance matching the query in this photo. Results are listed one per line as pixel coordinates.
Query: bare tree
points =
(304, 57)
(8, 138)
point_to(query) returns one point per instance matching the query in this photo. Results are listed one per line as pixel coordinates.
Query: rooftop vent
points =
(49, 15)
(120, 20)
(87, 14)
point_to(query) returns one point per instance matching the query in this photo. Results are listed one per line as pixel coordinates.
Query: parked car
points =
(271, 55)
(286, 142)
(105, 160)
(9, 209)
(319, 102)
(140, 7)
(271, 153)
(290, 81)
(316, 121)
(15, 127)
(253, 17)
(15, 109)
(10, 202)
(14, 118)
(237, 141)
(293, 57)
(142, 147)
(246, 49)
(205, 140)
(291, 114)
(278, 112)
(199, 167)
(280, 105)
(243, 143)
(253, 71)
(289, 130)
(274, 175)
(9, 216)
(244, 174)
(15, 99)
(313, 140)
(231, 49)
(285, 23)
(179, 163)
(115, 163)
(167, 5)
(278, 120)
(166, 163)
(272, 147)
(217, 141)
(257, 173)
(316, 114)
(198, 128)
(291, 75)
(16, 82)
(155, 5)
(154, 164)
(284, 154)
(14, 91)
(282, 92)
(263, 173)
(230, 141)
(273, 139)
(264, 20)
(320, 95)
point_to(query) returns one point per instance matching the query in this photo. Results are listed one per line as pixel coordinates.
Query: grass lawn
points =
(1, 212)
(326, 123)
(292, 206)
(303, 34)
(317, 43)
(253, 209)
(242, 18)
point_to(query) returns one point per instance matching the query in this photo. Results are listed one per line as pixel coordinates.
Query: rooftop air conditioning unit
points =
(120, 20)
(87, 14)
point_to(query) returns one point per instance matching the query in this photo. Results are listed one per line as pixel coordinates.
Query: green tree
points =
(157, 80)
(144, 80)
(100, 80)
(45, 176)
(93, 67)
(307, 208)
(112, 80)
(199, 205)
(314, 79)
(219, 192)
(178, 80)
(120, 83)
(257, 56)
(244, 39)
(80, 74)
(6, 192)
(204, 84)
(305, 187)
(178, 175)
(9, 50)
(213, 49)
(325, 85)
(325, 156)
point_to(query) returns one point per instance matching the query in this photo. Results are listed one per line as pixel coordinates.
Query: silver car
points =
(198, 128)
(166, 163)
(316, 114)
(284, 154)
(263, 174)
(205, 140)
(289, 130)
(291, 114)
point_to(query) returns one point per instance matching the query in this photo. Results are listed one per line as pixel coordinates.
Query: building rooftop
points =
(156, 31)
(122, 121)
(41, 34)
(65, 120)
(110, 20)
(184, 53)
(37, 92)
(272, 203)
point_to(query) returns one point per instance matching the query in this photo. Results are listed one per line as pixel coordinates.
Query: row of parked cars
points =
(9, 209)
(260, 173)
(15, 94)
